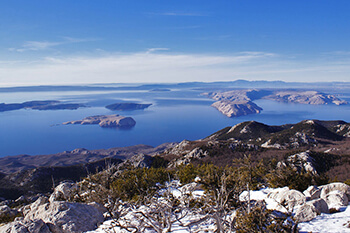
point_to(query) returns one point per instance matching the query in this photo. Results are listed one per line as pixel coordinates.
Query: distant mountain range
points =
(193, 85)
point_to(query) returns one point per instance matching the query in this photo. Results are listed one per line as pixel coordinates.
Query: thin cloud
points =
(168, 67)
(44, 45)
(151, 50)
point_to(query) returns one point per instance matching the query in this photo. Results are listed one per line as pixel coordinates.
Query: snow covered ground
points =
(328, 223)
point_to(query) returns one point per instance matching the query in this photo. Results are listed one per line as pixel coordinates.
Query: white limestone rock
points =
(64, 217)
(303, 161)
(336, 199)
(288, 198)
(310, 210)
(25, 226)
(312, 192)
(64, 192)
(325, 189)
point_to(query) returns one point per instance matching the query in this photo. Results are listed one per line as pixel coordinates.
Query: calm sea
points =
(174, 116)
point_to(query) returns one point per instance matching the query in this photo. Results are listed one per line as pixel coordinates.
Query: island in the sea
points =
(127, 106)
(235, 103)
(236, 108)
(39, 105)
(306, 97)
(105, 121)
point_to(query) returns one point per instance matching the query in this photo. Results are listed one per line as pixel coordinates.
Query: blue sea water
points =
(174, 116)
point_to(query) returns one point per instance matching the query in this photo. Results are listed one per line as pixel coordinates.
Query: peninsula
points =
(105, 121)
(39, 105)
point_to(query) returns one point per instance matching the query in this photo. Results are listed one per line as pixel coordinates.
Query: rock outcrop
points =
(301, 162)
(141, 161)
(64, 217)
(64, 191)
(105, 121)
(26, 226)
(196, 153)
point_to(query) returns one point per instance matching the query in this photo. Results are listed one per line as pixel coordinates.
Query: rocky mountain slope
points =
(308, 132)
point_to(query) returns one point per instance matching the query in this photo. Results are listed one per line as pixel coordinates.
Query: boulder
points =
(305, 213)
(310, 210)
(288, 198)
(312, 192)
(325, 189)
(272, 204)
(63, 216)
(276, 194)
(336, 199)
(25, 226)
(64, 191)
(320, 205)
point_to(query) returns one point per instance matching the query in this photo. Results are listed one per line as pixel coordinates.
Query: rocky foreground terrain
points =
(289, 172)
(235, 103)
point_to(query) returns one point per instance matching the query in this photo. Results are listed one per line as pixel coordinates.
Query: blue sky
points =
(88, 41)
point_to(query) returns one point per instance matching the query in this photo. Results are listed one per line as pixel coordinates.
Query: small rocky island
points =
(105, 121)
(235, 103)
(306, 97)
(236, 108)
(127, 106)
(40, 105)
